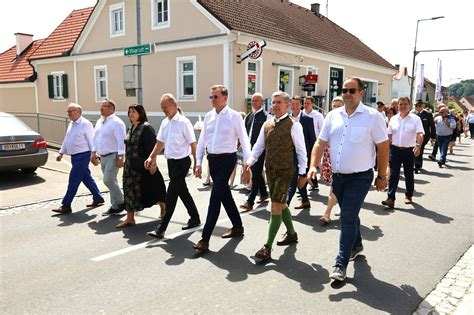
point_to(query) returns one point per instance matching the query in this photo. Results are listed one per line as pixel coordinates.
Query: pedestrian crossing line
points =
(170, 237)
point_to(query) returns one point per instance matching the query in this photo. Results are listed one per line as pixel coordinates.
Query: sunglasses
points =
(213, 97)
(352, 91)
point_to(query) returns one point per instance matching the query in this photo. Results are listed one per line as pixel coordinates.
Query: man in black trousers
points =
(429, 128)
(253, 123)
(176, 136)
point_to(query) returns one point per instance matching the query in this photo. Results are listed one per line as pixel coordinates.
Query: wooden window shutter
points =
(50, 86)
(65, 86)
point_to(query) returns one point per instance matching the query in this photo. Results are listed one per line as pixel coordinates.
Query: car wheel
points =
(29, 170)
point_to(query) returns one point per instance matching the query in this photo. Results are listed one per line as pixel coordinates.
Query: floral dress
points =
(326, 167)
(141, 189)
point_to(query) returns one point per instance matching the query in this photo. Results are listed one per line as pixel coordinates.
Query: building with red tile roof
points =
(13, 68)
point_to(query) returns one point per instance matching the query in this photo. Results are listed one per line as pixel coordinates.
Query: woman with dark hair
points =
(142, 188)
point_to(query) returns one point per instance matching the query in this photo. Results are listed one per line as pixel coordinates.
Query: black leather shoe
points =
(112, 211)
(156, 233)
(96, 203)
(191, 224)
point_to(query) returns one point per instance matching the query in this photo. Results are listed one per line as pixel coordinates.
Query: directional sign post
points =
(137, 50)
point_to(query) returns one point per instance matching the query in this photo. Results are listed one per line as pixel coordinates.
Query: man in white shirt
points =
(78, 144)
(281, 138)
(176, 136)
(222, 128)
(405, 131)
(109, 149)
(318, 120)
(352, 133)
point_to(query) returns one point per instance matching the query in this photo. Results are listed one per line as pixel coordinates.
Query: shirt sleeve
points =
(326, 128)
(62, 150)
(258, 147)
(379, 129)
(201, 146)
(300, 147)
(159, 136)
(89, 134)
(389, 127)
(189, 132)
(120, 132)
(320, 120)
(419, 125)
(96, 135)
(242, 135)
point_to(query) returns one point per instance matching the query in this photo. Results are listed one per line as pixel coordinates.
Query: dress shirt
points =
(318, 120)
(176, 134)
(404, 130)
(296, 118)
(109, 135)
(298, 141)
(352, 138)
(470, 118)
(253, 120)
(220, 133)
(442, 129)
(79, 137)
(384, 115)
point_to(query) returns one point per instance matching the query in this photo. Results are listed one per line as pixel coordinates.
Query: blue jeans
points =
(292, 190)
(443, 142)
(80, 173)
(221, 168)
(398, 158)
(258, 183)
(350, 191)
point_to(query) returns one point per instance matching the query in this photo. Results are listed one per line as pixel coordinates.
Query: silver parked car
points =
(20, 146)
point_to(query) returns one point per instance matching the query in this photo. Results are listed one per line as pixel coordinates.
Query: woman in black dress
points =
(142, 188)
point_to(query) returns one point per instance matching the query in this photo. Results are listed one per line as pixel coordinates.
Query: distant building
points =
(401, 83)
(467, 102)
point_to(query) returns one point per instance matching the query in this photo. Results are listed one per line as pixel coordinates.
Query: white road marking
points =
(172, 236)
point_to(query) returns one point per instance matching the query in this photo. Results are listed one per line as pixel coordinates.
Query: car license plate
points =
(13, 147)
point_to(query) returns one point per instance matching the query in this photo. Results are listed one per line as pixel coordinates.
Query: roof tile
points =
(14, 69)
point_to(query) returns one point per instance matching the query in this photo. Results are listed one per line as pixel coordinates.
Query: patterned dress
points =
(326, 167)
(141, 189)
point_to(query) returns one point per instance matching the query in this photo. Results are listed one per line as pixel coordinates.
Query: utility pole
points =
(139, 57)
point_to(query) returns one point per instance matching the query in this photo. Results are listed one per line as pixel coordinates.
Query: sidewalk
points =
(454, 293)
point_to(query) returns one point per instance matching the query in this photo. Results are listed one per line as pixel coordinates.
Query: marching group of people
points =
(289, 147)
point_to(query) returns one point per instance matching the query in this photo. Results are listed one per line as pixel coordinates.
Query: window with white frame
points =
(160, 14)
(186, 77)
(253, 77)
(57, 85)
(100, 76)
(285, 80)
(117, 19)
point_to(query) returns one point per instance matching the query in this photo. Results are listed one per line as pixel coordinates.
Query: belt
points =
(181, 159)
(401, 148)
(104, 155)
(220, 155)
(352, 174)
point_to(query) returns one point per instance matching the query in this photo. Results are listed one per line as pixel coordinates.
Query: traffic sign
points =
(137, 50)
(254, 50)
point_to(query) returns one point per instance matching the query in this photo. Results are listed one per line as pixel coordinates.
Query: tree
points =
(463, 88)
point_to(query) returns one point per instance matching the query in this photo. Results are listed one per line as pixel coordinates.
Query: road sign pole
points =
(139, 57)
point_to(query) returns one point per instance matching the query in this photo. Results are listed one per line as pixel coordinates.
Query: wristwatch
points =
(382, 177)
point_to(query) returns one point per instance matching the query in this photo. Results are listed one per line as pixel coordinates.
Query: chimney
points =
(397, 66)
(22, 42)
(315, 8)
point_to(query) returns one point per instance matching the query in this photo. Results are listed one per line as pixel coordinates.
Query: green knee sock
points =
(275, 222)
(286, 218)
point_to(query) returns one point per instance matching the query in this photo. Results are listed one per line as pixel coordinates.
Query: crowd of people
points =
(280, 153)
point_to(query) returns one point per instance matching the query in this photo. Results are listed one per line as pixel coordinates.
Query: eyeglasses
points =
(213, 97)
(418, 105)
(352, 91)
(70, 111)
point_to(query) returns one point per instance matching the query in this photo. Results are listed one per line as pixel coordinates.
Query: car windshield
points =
(10, 124)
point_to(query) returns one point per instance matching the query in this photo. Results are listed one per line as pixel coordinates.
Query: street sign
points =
(137, 50)
(254, 50)
(311, 78)
(309, 87)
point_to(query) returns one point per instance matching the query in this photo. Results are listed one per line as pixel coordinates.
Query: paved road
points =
(81, 263)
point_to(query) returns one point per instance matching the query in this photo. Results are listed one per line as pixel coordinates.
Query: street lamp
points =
(416, 52)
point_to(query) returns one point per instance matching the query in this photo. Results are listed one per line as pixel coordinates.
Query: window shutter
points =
(50, 86)
(65, 86)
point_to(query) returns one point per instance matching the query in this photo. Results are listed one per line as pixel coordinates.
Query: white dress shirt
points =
(255, 113)
(352, 138)
(220, 133)
(404, 130)
(318, 120)
(298, 141)
(176, 134)
(109, 135)
(79, 137)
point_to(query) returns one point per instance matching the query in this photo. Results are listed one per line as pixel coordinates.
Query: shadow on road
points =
(421, 211)
(18, 179)
(375, 293)
(76, 217)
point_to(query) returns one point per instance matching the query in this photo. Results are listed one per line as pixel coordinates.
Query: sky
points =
(387, 27)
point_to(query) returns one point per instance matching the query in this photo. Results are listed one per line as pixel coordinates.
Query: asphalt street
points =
(80, 263)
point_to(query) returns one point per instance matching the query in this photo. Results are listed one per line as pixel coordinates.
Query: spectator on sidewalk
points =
(78, 143)
(109, 150)
(429, 131)
(405, 132)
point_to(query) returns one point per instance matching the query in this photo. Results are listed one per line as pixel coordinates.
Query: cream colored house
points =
(194, 45)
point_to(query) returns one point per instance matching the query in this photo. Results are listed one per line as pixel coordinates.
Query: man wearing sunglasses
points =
(222, 128)
(430, 131)
(352, 133)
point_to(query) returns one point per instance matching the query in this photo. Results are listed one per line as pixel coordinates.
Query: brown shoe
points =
(389, 203)
(264, 253)
(63, 210)
(96, 203)
(246, 206)
(304, 205)
(263, 198)
(201, 246)
(288, 239)
(408, 201)
(234, 232)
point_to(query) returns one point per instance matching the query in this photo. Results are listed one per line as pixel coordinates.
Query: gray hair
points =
(257, 94)
(285, 96)
(76, 106)
(170, 97)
